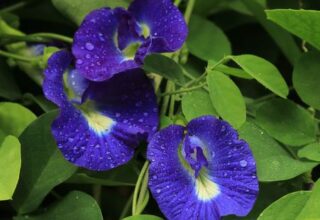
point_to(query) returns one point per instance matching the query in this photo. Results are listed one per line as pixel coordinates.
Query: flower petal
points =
(171, 185)
(231, 165)
(115, 116)
(167, 27)
(98, 57)
(226, 184)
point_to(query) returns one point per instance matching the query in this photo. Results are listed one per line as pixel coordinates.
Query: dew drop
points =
(243, 163)
(79, 61)
(89, 46)
(158, 190)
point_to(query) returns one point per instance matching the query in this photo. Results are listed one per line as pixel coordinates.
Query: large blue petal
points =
(95, 46)
(103, 131)
(167, 27)
(226, 184)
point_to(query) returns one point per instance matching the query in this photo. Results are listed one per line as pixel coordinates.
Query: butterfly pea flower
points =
(100, 123)
(110, 41)
(202, 171)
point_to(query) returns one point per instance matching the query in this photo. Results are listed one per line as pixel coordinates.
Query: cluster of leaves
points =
(257, 69)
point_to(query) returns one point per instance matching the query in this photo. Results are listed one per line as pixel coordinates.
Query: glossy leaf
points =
(306, 79)
(288, 122)
(206, 40)
(197, 103)
(264, 72)
(14, 118)
(76, 10)
(274, 163)
(311, 152)
(311, 209)
(282, 38)
(286, 208)
(10, 163)
(226, 98)
(303, 23)
(76, 205)
(165, 67)
(43, 166)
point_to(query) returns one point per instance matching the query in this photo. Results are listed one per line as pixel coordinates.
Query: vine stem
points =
(184, 90)
(14, 7)
(189, 9)
(53, 36)
(17, 57)
(138, 187)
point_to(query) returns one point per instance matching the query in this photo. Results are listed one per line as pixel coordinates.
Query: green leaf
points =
(273, 162)
(143, 217)
(165, 121)
(286, 208)
(264, 72)
(43, 166)
(287, 122)
(306, 78)
(76, 10)
(76, 205)
(311, 209)
(226, 98)
(8, 87)
(206, 40)
(41, 101)
(311, 152)
(165, 67)
(197, 103)
(125, 175)
(14, 118)
(303, 23)
(10, 163)
(281, 37)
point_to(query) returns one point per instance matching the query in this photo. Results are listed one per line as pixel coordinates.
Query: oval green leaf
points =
(77, 10)
(287, 122)
(10, 163)
(197, 103)
(226, 98)
(273, 162)
(14, 118)
(286, 208)
(165, 67)
(264, 72)
(206, 40)
(43, 165)
(306, 78)
(302, 23)
(311, 152)
(311, 209)
(76, 205)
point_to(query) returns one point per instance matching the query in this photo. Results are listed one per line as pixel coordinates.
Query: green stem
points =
(17, 57)
(172, 103)
(184, 90)
(189, 9)
(53, 36)
(177, 2)
(165, 100)
(126, 208)
(138, 186)
(13, 7)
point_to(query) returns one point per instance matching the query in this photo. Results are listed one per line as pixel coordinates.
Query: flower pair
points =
(108, 106)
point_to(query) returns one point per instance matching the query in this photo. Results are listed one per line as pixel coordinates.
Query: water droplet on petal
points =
(79, 61)
(89, 46)
(243, 163)
(158, 190)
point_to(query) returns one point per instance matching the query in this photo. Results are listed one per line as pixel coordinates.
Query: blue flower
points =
(100, 123)
(112, 41)
(202, 171)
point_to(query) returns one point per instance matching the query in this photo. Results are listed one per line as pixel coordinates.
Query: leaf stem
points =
(53, 36)
(184, 90)
(13, 7)
(17, 57)
(126, 208)
(189, 9)
(138, 187)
